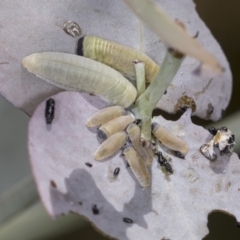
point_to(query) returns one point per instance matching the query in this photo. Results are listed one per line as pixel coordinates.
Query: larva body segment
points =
(117, 56)
(105, 115)
(110, 146)
(168, 139)
(134, 133)
(138, 166)
(116, 125)
(77, 73)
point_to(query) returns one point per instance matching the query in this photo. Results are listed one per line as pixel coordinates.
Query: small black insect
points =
(88, 164)
(165, 92)
(95, 209)
(49, 110)
(127, 220)
(116, 171)
(163, 162)
(213, 130)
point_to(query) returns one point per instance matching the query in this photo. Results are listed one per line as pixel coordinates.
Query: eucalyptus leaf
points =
(37, 26)
(173, 207)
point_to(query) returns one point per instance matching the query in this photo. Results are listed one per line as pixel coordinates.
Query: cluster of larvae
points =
(118, 128)
(223, 139)
(103, 68)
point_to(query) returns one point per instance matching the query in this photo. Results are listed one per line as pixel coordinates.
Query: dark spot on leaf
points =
(184, 103)
(88, 164)
(223, 112)
(116, 171)
(127, 220)
(53, 184)
(209, 111)
(95, 209)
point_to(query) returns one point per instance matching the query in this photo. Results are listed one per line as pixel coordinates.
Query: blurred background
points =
(23, 217)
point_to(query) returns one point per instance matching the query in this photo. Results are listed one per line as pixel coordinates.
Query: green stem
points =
(140, 77)
(148, 100)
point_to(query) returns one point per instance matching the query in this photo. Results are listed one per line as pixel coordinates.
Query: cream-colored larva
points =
(110, 146)
(117, 56)
(116, 125)
(168, 139)
(78, 73)
(138, 166)
(134, 133)
(105, 115)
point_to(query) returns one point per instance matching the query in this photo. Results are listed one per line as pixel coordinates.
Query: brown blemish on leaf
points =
(228, 185)
(204, 89)
(53, 184)
(190, 174)
(209, 111)
(218, 186)
(184, 103)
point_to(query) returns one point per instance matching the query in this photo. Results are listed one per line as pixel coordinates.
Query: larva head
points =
(80, 48)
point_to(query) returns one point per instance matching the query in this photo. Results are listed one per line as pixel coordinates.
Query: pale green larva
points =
(110, 146)
(170, 140)
(77, 73)
(138, 166)
(105, 115)
(117, 56)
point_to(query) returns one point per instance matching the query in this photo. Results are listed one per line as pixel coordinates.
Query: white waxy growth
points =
(168, 139)
(105, 115)
(110, 146)
(134, 133)
(138, 166)
(117, 56)
(77, 73)
(116, 125)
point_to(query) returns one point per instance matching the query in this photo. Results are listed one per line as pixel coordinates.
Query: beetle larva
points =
(168, 139)
(138, 166)
(134, 133)
(117, 56)
(49, 110)
(72, 72)
(110, 146)
(105, 115)
(116, 125)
